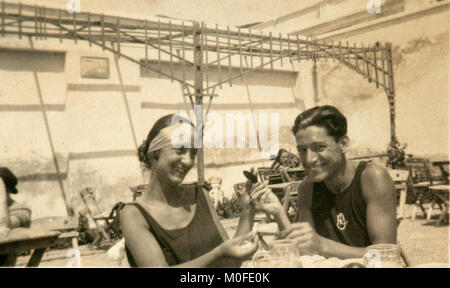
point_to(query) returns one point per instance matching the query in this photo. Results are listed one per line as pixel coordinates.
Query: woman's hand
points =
(264, 200)
(244, 196)
(240, 247)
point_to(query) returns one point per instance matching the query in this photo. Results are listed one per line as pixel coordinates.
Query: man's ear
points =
(344, 142)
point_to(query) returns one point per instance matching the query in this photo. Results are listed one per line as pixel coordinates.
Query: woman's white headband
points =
(176, 136)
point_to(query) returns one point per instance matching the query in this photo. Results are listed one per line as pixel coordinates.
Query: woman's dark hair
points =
(325, 116)
(280, 152)
(160, 124)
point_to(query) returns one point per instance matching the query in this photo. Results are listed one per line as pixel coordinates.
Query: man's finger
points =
(292, 227)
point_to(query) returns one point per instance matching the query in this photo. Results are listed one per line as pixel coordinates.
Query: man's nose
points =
(310, 157)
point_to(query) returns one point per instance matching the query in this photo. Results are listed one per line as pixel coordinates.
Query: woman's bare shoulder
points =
(130, 215)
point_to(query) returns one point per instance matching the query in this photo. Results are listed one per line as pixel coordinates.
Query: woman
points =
(176, 225)
(281, 163)
(282, 160)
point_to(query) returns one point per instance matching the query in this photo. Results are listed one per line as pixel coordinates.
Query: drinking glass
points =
(286, 250)
(383, 256)
(265, 259)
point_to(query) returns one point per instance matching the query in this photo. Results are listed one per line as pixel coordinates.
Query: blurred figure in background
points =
(17, 216)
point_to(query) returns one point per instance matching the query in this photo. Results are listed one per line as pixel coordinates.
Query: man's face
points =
(319, 152)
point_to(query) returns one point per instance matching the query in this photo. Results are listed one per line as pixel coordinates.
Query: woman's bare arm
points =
(147, 252)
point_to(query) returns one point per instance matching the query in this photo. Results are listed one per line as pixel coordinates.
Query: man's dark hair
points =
(325, 116)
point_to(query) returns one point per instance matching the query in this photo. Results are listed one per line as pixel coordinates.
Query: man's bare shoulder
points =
(376, 181)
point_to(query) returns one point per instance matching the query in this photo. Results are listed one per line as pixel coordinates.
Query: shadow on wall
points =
(37, 61)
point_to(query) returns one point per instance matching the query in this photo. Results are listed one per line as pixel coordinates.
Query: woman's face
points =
(174, 163)
(284, 158)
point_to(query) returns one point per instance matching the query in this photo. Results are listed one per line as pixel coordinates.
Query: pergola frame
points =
(209, 47)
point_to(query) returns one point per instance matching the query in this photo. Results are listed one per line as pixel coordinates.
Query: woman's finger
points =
(257, 194)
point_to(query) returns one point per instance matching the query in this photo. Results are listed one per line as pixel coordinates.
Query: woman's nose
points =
(186, 159)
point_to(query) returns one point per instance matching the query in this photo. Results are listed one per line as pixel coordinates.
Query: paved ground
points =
(422, 241)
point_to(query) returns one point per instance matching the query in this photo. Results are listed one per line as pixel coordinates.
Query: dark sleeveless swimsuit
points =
(341, 217)
(181, 245)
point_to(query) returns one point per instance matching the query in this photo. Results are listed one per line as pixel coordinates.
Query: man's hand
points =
(309, 242)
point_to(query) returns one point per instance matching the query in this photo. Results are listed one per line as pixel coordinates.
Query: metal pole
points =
(391, 89)
(198, 83)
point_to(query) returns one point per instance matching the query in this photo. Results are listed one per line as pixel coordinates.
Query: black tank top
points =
(200, 236)
(341, 217)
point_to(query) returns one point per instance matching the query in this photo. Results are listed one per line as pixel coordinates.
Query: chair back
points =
(419, 170)
(400, 177)
(267, 174)
(137, 190)
(239, 188)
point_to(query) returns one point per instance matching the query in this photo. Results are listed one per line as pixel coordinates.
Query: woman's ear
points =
(344, 142)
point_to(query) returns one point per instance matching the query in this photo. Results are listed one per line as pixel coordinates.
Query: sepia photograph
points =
(224, 134)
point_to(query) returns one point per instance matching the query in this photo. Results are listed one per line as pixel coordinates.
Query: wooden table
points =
(25, 239)
(441, 192)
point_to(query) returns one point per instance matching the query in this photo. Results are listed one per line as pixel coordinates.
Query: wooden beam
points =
(198, 83)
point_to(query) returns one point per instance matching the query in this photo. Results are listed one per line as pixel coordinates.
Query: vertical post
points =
(20, 20)
(36, 22)
(261, 51)
(281, 50)
(74, 15)
(89, 29)
(383, 67)
(171, 51)
(251, 50)
(118, 37)
(366, 60)
(183, 63)
(219, 69)
(159, 47)
(146, 44)
(45, 21)
(240, 52)
(271, 56)
(3, 18)
(60, 25)
(198, 83)
(229, 56)
(375, 62)
(391, 89)
(102, 22)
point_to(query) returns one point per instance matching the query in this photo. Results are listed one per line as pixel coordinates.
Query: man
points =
(343, 205)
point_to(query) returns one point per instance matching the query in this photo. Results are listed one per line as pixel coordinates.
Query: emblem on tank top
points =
(341, 223)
